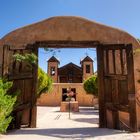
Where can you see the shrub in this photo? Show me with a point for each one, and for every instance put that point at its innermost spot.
(90, 85)
(6, 105)
(44, 82)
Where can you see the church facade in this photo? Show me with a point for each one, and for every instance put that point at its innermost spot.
(68, 76)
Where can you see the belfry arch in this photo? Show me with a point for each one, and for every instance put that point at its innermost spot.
(77, 32)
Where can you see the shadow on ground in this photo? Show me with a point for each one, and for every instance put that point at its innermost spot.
(87, 120)
(86, 132)
(92, 112)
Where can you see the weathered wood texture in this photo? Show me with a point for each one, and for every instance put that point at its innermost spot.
(116, 85)
(23, 77)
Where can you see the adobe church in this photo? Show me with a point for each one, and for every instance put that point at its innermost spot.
(68, 76)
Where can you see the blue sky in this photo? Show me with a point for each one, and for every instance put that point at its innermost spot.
(123, 14)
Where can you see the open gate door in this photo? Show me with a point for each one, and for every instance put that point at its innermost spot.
(24, 80)
(117, 105)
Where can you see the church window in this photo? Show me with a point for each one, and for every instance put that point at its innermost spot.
(52, 71)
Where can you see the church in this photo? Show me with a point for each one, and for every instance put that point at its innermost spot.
(68, 76)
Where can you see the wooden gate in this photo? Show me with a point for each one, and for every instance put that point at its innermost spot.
(24, 80)
(116, 87)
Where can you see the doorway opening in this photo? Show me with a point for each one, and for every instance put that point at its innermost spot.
(70, 74)
(70, 71)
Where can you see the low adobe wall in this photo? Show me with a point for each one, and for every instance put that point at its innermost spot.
(54, 97)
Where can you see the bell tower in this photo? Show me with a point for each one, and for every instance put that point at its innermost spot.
(87, 67)
(52, 71)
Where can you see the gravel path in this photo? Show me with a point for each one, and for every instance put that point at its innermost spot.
(55, 125)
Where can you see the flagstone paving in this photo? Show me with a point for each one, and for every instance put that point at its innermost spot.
(55, 125)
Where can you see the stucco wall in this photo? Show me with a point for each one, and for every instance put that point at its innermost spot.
(67, 28)
(54, 98)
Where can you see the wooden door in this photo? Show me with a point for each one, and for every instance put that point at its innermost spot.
(116, 87)
(24, 80)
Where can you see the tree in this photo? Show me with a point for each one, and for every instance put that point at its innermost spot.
(7, 102)
(44, 82)
(90, 85)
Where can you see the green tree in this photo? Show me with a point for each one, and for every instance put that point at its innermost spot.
(90, 85)
(44, 82)
(7, 102)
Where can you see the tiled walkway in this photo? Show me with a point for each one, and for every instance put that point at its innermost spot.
(54, 125)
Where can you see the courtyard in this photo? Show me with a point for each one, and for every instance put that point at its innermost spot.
(55, 125)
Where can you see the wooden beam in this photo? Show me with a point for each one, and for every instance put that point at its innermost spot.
(102, 110)
(22, 107)
(20, 76)
(67, 44)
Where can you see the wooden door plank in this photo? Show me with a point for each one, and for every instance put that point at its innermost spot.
(114, 64)
(107, 60)
(33, 115)
(102, 110)
(122, 61)
(1, 60)
(131, 89)
(5, 71)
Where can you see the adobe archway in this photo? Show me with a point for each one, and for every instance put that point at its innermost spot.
(65, 29)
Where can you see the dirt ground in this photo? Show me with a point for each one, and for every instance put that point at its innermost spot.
(55, 125)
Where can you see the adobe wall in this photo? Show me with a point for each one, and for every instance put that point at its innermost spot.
(54, 97)
(67, 28)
